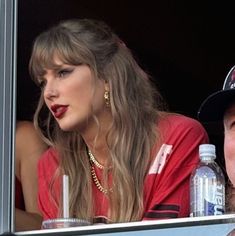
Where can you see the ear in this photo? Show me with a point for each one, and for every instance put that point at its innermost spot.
(106, 86)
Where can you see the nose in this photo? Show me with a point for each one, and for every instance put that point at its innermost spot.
(50, 91)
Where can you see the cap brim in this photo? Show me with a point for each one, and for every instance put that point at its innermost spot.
(213, 108)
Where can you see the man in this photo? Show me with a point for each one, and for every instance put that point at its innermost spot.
(220, 107)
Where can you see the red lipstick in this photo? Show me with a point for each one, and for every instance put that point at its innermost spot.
(59, 110)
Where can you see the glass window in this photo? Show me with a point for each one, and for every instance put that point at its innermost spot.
(215, 225)
(7, 111)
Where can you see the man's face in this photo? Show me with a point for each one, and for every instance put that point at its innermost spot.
(229, 142)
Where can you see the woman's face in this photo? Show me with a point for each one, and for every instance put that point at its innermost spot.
(69, 94)
(229, 142)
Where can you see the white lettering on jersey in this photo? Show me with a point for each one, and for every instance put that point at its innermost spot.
(160, 159)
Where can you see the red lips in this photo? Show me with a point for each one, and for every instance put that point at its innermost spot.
(59, 110)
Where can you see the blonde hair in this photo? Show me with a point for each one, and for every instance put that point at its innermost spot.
(134, 105)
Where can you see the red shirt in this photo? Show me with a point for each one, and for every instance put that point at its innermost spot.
(166, 189)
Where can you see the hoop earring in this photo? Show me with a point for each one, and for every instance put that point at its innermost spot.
(107, 98)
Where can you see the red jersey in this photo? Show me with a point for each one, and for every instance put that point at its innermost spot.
(166, 187)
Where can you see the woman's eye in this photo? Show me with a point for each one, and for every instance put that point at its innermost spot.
(42, 83)
(64, 72)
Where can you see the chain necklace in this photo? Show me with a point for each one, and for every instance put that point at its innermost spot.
(92, 159)
(94, 176)
(97, 182)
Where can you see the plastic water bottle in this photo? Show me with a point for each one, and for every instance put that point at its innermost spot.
(207, 185)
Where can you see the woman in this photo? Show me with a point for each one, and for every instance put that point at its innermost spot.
(126, 160)
(29, 148)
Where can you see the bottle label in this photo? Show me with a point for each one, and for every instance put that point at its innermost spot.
(207, 197)
(216, 206)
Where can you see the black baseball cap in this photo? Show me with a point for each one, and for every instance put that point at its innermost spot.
(213, 107)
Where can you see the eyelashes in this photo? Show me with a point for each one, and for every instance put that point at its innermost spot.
(41, 83)
(229, 124)
(60, 74)
(64, 72)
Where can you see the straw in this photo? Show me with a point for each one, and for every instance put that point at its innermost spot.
(65, 196)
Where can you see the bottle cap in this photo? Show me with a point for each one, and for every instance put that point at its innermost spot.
(207, 150)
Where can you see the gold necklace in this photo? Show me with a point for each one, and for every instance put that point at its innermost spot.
(92, 159)
(97, 182)
(94, 176)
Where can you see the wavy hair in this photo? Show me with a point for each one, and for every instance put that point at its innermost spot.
(135, 106)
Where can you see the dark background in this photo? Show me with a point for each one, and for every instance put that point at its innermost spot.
(187, 46)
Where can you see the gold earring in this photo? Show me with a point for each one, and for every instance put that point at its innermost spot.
(107, 98)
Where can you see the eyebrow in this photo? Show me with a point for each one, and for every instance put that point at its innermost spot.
(227, 115)
(230, 111)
